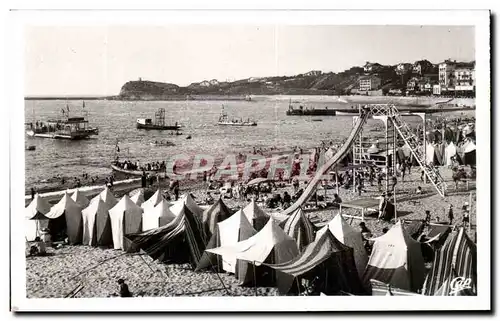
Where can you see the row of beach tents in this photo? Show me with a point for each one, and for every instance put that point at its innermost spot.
(261, 248)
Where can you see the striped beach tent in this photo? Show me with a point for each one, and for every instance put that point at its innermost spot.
(66, 218)
(270, 245)
(216, 213)
(179, 241)
(300, 228)
(92, 235)
(35, 218)
(327, 260)
(80, 199)
(228, 232)
(396, 259)
(153, 200)
(454, 271)
(350, 237)
(255, 215)
(126, 217)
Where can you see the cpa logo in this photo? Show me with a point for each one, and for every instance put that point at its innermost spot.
(459, 284)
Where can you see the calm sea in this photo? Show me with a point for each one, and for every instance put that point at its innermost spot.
(54, 159)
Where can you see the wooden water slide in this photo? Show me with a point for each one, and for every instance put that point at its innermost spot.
(341, 153)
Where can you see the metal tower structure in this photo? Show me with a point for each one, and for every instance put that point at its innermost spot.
(396, 127)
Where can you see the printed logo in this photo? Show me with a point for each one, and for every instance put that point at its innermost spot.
(459, 284)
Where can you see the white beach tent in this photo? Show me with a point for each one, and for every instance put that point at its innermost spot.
(107, 197)
(35, 218)
(89, 217)
(429, 153)
(231, 231)
(450, 151)
(350, 237)
(66, 214)
(397, 260)
(80, 199)
(188, 200)
(154, 217)
(255, 215)
(126, 217)
(153, 200)
(271, 245)
(138, 197)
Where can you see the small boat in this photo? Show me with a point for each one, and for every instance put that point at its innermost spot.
(316, 119)
(224, 120)
(73, 128)
(188, 137)
(162, 143)
(31, 147)
(158, 124)
(133, 172)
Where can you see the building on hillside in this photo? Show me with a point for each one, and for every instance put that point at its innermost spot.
(421, 67)
(213, 82)
(403, 68)
(455, 75)
(313, 73)
(367, 83)
(372, 67)
(411, 85)
(464, 77)
(204, 83)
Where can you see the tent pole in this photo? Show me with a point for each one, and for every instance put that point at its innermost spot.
(254, 278)
(337, 180)
(217, 273)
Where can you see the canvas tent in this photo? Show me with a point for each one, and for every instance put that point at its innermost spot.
(255, 215)
(271, 245)
(469, 153)
(187, 200)
(437, 235)
(456, 259)
(126, 217)
(153, 200)
(65, 218)
(137, 197)
(107, 197)
(396, 259)
(216, 213)
(35, 218)
(96, 224)
(80, 199)
(300, 228)
(350, 237)
(227, 233)
(154, 217)
(178, 241)
(450, 151)
(326, 259)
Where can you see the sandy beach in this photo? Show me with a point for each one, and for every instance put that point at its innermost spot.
(97, 270)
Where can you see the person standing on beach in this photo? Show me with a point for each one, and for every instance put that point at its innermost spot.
(450, 214)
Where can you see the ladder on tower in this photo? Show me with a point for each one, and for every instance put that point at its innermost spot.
(411, 139)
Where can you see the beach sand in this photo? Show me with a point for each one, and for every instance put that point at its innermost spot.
(56, 275)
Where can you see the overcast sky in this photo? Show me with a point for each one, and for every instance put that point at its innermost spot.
(99, 60)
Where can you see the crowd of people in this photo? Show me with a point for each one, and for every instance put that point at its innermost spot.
(153, 166)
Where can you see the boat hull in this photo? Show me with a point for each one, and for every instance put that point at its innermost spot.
(156, 127)
(236, 124)
(60, 135)
(311, 112)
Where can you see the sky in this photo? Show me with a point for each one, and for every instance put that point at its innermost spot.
(99, 60)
